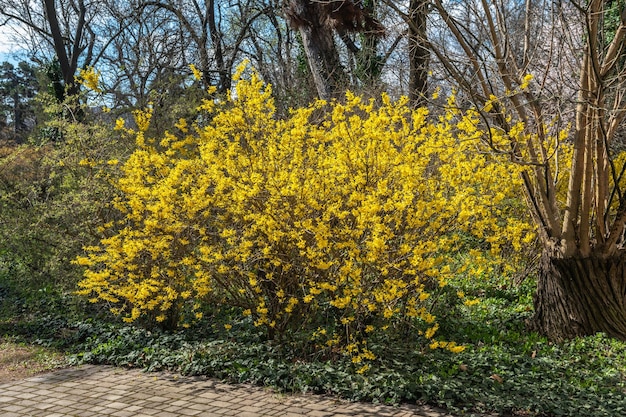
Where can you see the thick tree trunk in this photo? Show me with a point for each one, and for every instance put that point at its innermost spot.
(68, 62)
(311, 19)
(328, 75)
(580, 296)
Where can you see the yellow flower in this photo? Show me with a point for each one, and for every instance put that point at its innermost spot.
(456, 349)
(89, 78)
(363, 369)
(430, 332)
(182, 125)
(197, 74)
(470, 303)
(119, 124)
(142, 119)
(525, 81)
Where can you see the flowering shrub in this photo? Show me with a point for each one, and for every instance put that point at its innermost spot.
(343, 214)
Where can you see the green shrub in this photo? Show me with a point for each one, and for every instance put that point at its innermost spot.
(53, 199)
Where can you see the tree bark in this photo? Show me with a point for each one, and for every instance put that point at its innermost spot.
(419, 55)
(579, 296)
(224, 73)
(319, 46)
(68, 63)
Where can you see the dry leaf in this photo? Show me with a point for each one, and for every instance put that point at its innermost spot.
(497, 378)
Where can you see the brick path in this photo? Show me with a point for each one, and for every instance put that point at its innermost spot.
(103, 391)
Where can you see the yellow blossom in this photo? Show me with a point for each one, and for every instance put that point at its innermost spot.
(525, 81)
(197, 74)
(90, 78)
(363, 369)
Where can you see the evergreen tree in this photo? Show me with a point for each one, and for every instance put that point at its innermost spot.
(18, 85)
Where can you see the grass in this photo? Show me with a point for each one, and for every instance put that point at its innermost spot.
(505, 369)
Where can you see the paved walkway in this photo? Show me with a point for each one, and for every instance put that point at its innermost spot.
(103, 391)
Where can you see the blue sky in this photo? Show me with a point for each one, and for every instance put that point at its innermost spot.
(7, 45)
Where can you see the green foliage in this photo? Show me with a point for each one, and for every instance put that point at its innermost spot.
(612, 19)
(55, 84)
(53, 199)
(18, 86)
(504, 370)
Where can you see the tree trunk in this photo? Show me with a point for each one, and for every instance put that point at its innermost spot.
(419, 54)
(328, 74)
(579, 296)
(217, 43)
(311, 19)
(68, 63)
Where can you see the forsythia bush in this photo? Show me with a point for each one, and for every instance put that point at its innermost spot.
(347, 213)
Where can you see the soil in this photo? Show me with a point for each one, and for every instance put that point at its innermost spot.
(18, 361)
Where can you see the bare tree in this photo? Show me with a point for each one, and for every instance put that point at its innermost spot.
(491, 48)
(415, 18)
(149, 51)
(216, 31)
(70, 29)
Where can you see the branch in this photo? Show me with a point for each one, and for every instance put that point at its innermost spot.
(451, 23)
(77, 50)
(613, 52)
(348, 42)
(392, 48)
(59, 44)
(23, 21)
(617, 229)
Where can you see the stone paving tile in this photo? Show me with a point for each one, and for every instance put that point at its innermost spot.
(104, 391)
